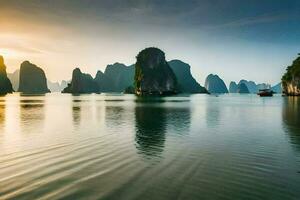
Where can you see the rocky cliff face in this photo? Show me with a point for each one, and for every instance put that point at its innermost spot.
(15, 76)
(215, 85)
(251, 85)
(5, 84)
(153, 75)
(116, 78)
(233, 87)
(81, 83)
(291, 79)
(186, 81)
(104, 83)
(119, 77)
(243, 89)
(32, 79)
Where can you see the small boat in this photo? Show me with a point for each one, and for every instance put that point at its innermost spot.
(265, 93)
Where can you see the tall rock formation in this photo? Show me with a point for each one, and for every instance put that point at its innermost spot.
(119, 78)
(14, 79)
(32, 79)
(251, 85)
(291, 79)
(81, 83)
(153, 75)
(215, 85)
(233, 87)
(104, 83)
(116, 78)
(5, 84)
(186, 81)
(243, 89)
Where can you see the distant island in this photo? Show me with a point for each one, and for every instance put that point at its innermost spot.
(32, 79)
(215, 85)
(81, 83)
(243, 88)
(250, 87)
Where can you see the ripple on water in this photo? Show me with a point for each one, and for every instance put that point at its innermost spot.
(123, 147)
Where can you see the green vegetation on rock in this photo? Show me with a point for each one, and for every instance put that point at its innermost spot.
(291, 79)
(153, 75)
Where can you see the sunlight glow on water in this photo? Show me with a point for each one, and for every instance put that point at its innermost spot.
(122, 147)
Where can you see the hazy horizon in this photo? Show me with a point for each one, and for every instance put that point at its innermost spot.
(237, 40)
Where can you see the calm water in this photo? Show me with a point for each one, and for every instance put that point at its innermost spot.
(121, 147)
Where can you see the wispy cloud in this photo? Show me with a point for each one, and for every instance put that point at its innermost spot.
(262, 19)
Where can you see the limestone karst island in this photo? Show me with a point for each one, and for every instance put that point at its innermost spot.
(149, 100)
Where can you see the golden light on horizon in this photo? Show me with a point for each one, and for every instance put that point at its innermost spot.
(8, 53)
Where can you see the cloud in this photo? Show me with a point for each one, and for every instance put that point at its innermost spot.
(249, 21)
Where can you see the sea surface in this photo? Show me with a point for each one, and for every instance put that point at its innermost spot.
(111, 146)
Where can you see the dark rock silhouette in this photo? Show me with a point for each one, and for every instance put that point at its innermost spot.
(104, 84)
(153, 75)
(32, 79)
(5, 84)
(233, 87)
(186, 81)
(215, 85)
(251, 85)
(277, 88)
(53, 86)
(129, 90)
(243, 89)
(116, 78)
(14, 79)
(81, 83)
(291, 79)
(120, 78)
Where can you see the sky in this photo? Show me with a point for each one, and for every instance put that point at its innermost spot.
(251, 39)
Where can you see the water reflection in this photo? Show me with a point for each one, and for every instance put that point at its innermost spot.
(2, 113)
(213, 112)
(32, 113)
(31, 110)
(76, 109)
(114, 116)
(291, 119)
(150, 129)
(179, 119)
(76, 114)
